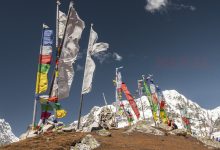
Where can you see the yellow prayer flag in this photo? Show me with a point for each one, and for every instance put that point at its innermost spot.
(61, 113)
(41, 83)
(155, 116)
(163, 117)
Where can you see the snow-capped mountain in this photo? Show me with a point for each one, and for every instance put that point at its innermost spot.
(6, 135)
(203, 122)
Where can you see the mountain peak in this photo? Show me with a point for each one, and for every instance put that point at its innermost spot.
(6, 135)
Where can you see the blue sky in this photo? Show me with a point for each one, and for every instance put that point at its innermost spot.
(176, 40)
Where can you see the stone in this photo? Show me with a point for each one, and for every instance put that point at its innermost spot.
(87, 143)
(106, 118)
(103, 132)
(80, 146)
(91, 141)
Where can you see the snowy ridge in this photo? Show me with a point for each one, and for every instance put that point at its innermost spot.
(6, 135)
(203, 122)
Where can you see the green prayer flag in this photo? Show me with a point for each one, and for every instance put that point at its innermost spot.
(44, 68)
(46, 107)
(57, 106)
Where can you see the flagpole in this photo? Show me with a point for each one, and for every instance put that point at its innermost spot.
(81, 99)
(34, 112)
(80, 111)
(103, 94)
(140, 95)
(116, 80)
(59, 51)
(38, 77)
(143, 77)
(57, 46)
(57, 24)
(116, 91)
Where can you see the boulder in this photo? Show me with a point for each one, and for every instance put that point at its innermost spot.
(107, 118)
(80, 146)
(87, 143)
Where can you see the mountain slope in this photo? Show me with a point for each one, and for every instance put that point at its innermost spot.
(6, 135)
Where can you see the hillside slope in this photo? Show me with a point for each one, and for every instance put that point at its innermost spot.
(118, 141)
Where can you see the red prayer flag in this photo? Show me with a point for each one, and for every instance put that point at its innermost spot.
(45, 59)
(45, 115)
(130, 100)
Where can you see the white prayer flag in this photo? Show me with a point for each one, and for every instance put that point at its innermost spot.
(93, 48)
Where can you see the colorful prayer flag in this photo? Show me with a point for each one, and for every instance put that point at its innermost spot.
(161, 99)
(44, 61)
